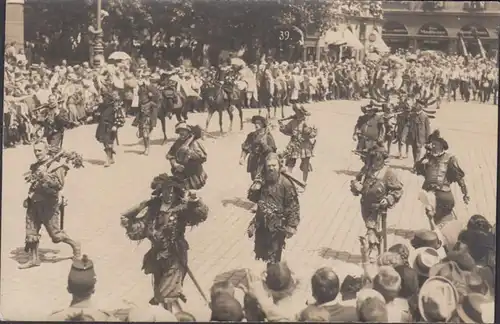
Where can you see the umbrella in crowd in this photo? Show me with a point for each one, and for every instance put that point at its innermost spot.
(119, 56)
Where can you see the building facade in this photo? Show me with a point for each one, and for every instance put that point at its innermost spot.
(14, 22)
(435, 25)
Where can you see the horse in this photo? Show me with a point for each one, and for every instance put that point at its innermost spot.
(219, 98)
(174, 102)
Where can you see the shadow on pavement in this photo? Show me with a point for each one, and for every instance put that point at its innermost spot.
(45, 255)
(349, 173)
(404, 233)
(159, 141)
(401, 167)
(138, 152)
(94, 161)
(238, 202)
(328, 253)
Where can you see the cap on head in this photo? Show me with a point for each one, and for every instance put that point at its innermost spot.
(82, 277)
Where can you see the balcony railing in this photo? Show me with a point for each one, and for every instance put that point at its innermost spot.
(475, 5)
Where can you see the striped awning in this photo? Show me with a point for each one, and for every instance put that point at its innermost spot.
(351, 40)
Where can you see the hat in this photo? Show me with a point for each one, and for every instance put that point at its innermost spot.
(402, 250)
(279, 280)
(314, 313)
(259, 119)
(488, 312)
(424, 259)
(462, 258)
(425, 238)
(476, 283)
(437, 300)
(470, 309)
(366, 293)
(479, 222)
(226, 308)
(388, 280)
(392, 259)
(452, 272)
(82, 277)
(182, 125)
(378, 150)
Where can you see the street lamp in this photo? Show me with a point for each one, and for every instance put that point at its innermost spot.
(97, 42)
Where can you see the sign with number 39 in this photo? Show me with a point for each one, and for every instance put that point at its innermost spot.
(284, 35)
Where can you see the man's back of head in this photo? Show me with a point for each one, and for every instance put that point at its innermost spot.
(325, 285)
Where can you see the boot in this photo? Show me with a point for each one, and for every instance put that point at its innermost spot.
(33, 260)
(146, 146)
(109, 157)
(76, 246)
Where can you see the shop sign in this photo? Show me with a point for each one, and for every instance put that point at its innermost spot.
(394, 28)
(468, 30)
(432, 30)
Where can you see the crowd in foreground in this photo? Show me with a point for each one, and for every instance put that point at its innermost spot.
(435, 277)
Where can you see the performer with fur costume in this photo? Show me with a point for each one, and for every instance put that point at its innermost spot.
(111, 117)
(302, 141)
(167, 215)
(187, 156)
(278, 211)
(440, 169)
(380, 190)
(45, 204)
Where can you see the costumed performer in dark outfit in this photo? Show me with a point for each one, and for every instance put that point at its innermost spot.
(380, 189)
(111, 118)
(440, 169)
(167, 215)
(278, 211)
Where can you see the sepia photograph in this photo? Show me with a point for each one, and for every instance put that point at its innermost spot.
(249, 161)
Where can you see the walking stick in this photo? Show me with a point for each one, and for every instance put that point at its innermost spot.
(116, 138)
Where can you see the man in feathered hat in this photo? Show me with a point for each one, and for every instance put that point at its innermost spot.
(369, 129)
(257, 146)
(111, 118)
(81, 285)
(440, 169)
(380, 189)
(167, 215)
(43, 204)
(419, 129)
(187, 155)
(277, 216)
(302, 141)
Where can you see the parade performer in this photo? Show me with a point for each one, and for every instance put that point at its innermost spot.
(187, 156)
(402, 125)
(148, 113)
(369, 129)
(45, 204)
(302, 141)
(419, 130)
(380, 189)
(111, 117)
(257, 146)
(167, 214)
(440, 169)
(278, 211)
(55, 122)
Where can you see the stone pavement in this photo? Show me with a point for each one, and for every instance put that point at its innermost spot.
(328, 233)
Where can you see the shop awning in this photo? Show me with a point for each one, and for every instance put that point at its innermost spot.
(351, 40)
(332, 37)
(379, 45)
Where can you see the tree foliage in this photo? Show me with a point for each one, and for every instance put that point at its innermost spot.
(227, 24)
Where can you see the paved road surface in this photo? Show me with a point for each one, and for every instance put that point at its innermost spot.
(330, 214)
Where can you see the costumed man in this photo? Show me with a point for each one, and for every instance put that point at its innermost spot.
(111, 118)
(257, 146)
(440, 169)
(55, 122)
(167, 214)
(148, 113)
(187, 155)
(45, 204)
(369, 129)
(278, 211)
(419, 130)
(380, 189)
(402, 126)
(302, 141)
(81, 285)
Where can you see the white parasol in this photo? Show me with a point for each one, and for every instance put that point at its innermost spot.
(236, 61)
(119, 56)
